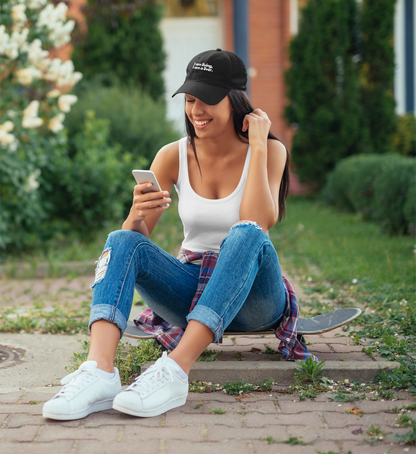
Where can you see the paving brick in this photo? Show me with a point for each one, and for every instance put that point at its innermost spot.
(251, 340)
(345, 420)
(319, 348)
(57, 447)
(37, 397)
(229, 407)
(26, 433)
(388, 447)
(219, 433)
(230, 447)
(29, 409)
(215, 397)
(307, 405)
(116, 418)
(373, 406)
(103, 434)
(339, 348)
(262, 447)
(20, 420)
(175, 418)
(189, 433)
(300, 419)
(142, 446)
(265, 407)
(10, 398)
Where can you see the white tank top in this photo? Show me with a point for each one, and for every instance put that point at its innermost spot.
(206, 222)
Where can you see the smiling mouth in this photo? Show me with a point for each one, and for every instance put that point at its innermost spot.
(201, 123)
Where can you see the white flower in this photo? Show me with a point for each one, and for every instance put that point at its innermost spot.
(354, 281)
(30, 116)
(55, 123)
(31, 183)
(35, 4)
(53, 93)
(32, 109)
(5, 137)
(65, 102)
(32, 122)
(35, 52)
(7, 127)
(18, 13)
(27, 75)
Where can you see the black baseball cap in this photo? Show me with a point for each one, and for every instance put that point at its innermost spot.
(212, 74)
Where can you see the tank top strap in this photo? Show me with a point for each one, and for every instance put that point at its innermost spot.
(183, 161)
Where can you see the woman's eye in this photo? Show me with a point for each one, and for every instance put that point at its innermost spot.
(189, 100)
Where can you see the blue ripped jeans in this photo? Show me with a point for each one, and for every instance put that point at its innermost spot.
(245, 292)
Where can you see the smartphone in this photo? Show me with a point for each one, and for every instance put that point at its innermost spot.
(147, 176)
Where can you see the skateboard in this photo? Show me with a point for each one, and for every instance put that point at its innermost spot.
(313, 325)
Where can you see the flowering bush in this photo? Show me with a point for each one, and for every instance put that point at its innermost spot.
(34, 101)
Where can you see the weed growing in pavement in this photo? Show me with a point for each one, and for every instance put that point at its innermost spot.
(239, 356)
(269, 439)
(376, 435)
(238, 387)
(291, 441)
(208, 356)
(332, 452)
(128, 358)
(197, 386)
(217, 411)
(309, 369)
(296, 441)
(266, 384)
(198, 406)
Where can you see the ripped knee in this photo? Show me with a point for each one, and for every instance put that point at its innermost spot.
(102, 265)
(246, 222)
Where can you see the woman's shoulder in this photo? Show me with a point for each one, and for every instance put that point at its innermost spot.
(166, 161)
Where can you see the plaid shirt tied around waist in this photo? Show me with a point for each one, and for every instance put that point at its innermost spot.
(169, 335)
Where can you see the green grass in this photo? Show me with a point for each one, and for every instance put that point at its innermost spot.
(320, 242)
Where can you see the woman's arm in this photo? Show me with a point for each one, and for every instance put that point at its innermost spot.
(260, 202)
(146, 210)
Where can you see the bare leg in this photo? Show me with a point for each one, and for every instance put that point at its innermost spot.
(195, 340)
(104, 340)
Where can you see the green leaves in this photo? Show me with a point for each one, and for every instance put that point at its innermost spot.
(309, 369)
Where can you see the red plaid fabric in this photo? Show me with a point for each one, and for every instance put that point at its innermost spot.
(169, 335)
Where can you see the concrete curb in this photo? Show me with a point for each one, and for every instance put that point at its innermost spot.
(283, 371)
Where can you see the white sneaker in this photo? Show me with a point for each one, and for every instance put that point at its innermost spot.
(84, 392)
(154, 392)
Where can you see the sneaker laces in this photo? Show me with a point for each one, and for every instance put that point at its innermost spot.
(153, 376)
(77, 380)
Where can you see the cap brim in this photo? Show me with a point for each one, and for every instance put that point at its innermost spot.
(209, 94)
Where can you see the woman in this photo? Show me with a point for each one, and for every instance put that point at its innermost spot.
(232, 179)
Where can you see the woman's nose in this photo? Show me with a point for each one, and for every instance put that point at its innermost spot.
(198, 107)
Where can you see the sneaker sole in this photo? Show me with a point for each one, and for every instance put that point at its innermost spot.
(157, 411)
(98, 406)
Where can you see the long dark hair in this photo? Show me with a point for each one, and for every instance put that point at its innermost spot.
(241, 106)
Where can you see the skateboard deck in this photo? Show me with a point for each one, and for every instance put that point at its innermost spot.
(313, 325)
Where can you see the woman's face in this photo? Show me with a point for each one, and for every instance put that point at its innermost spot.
(209, 121)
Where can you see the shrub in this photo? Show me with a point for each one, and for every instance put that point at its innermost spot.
(124, 39)
(323, 88)
(393, 187)
(405, 137)
(94, 187)
(34, 101)
(381, 188)
(136, 121)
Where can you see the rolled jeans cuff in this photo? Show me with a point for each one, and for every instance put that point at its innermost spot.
(110, 314)
(209, 318)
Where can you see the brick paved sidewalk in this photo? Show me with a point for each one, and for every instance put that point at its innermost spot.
(245, 427)
(258, 423)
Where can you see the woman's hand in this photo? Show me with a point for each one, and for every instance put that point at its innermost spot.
(149, 203)
(258, 125)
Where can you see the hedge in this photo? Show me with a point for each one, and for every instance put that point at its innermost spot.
(381, 188)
